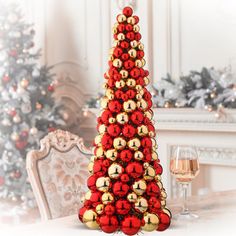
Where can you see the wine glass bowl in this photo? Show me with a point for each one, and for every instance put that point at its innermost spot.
(184, 166)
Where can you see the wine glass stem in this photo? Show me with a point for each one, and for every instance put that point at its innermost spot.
(185, 207)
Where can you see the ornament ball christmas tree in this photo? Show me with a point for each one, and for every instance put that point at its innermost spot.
(125, 188)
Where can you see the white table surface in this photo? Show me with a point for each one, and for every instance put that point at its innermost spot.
(217, 216)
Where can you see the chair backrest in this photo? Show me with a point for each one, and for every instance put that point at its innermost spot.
(58, 173)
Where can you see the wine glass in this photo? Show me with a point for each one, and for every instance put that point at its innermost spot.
(184, 166)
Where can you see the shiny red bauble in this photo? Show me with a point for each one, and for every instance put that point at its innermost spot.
(120, 189)
(81, 213)
(158, 168)
(146, 142)
(117, 52)
(124, 97)
(109, 210)
(134, 169)
(154, 204)
(124, 178)
(128, 27)
(91, 182)
(108, 224)
(113, 130)
(124, 56)
(112, 71)
(121, 27)
(106, 163)
(149, 104)
(137, 117)
(21, 144)
(118, 93)
(131, 93)
(106, 141)
(130, 35)
(111, 82)
(140, 54)
(130, 225)
(137, 36)
(164, 221)
(105, 116)
(123, 207)
(95, 197)
(140, 81)
(124, 44)
(128, 131)
(114, 106)
(98, 168)
(128, 11)
(135, 73)
(128, 64)
(153, 189)
(117, 77)
(126, 155)
(136, 19)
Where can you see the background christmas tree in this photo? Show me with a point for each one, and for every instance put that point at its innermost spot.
(27, 109)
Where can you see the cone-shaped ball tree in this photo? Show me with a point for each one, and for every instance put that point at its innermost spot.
(126, 192)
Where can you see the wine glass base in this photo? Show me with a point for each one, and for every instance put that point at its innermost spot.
(185, 216)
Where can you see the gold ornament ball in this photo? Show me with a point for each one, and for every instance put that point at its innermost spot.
(146, 80)
(117, 63)
(167, 211)
(88, 195)
(141, 92)
(100, 209)
(121, 36)
(111, 58)
(122, 118)
(148, 114)
(151, 222)
(131, 82)
(90, 167)
(136, 28)
(132, 197)
(134, 144)
(111, 154)
(16, 119)
(139, 96)
(98, 139)
(114, 30)
(119, 143)
(109, 92)
(134, 44)
(105, 85)
(90, 219)
(112, 120)
(163, 203)
(143, 62)
(115, 170)
(139, 187)
(121, 18)
(107, 198)
(138, 87)
(132, 53)
(99, 152)
(151, 134)
(131, 20)
(15, 136)
(103, 184)
(129, 106)
(158, 178)
(138, 155)
(110, 53)
(93, 158)
(160, 185)
(140, 46)
(120, 84)
(116, 43)
(149, 173)
(154, 156)
(104, 102)
(124, 74)
(24, 83)
(141, 204)
(139, 64)
(142, 104)
(146, 165)
(102, 129)
(163, 194)
(142, 130)
(154, 142)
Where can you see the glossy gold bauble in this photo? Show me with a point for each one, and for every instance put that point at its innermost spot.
(139, 187)
(93, 158)
(134, 144)
(124, 74)
(138, 63)
(158, 178)
(111, 58)
(120, 84)
(143, 61)
(154, 142)
(90, 219)
(24, 83)
(121, 36)
(136, 28)
(88, 195)
(149, 173)
(121, 18)
(154, 156)
(163, 194)
(111, 154)
(138, 87)
(129, 106)
(107, 198)
(131, 82)
(114, 30)
(142, 130)
(117, 63)
(151, 134)
(141, 91)
(138, 155)
(109, 92)
(98, 139)
(105, 85)
(132, 53)
(148, 114)
(151, 222)
(103, 184)
(132, 197)
(146, 165)
(116, 25)
(140, 46)
(102, 129)
(167, 211)
(139, 96)
(160, 185)
(104, 102)
(112, 120)
(116, 43)
(134, 44)
(115, 170)
(146, 80)
(142, 104)
(122, 118)
(163, 203)
(131, 20)
(119, 143)
(99, 152)
(90, 167)
(110, 53)
(141, 204)
(100, 209)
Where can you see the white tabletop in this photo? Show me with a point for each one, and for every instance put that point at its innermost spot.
(217, 216)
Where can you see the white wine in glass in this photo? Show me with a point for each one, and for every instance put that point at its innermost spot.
(184, 166)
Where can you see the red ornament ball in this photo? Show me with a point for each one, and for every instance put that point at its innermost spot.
(164, 221)
(91, 182)
(50, 88)
(158, 168)
(108, 224)
(114, 106)
(130, 225)
(121, 27)
(98, 168)
(95, 197)
(117, 52)
(124, 56)
(137, 117)
(128, 131)
(109, 210)
(117, 77)
(118, 94)
(120, 189)
(153, 189)
(81, 213)
(131, 93)
(146, 142)
(135, 73)
(113, 130)
(134, 169)
(124, 97)
(106, 141)
(126, 155)
(128, 11)
(123, 207)
(105, 116)
(106, 163)
(6, 78)
(129, 64)
(140, 54)
(136, 19)
(128, 27)
(130, 35)
(137, 36)
(111, 82)
(124, 178)
(124, 44)
(21, 144)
